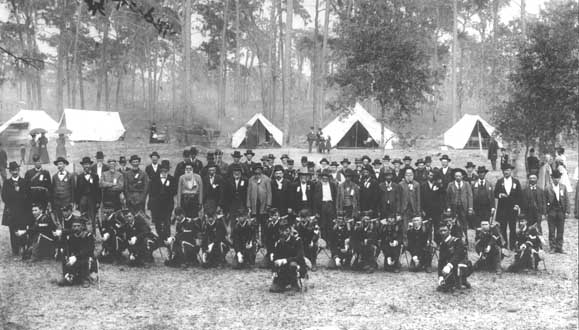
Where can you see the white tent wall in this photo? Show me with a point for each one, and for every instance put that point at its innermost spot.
(21, 123)
(239, 135)
(340, 126)
(458, 135)
(90, 125)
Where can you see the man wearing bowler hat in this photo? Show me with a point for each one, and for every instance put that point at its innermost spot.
(398, 172)
(136, 186)
(197, 164)
(508, 193)
(470, 173)
(558, 210)
(122, 165)
(459, 200)
(249, 163)
(112, 185)
(63, 185)
(421, 173)
(302, 192)
(280, 191)
(38, 184)
(483, 200)
(163, 188)
(17, 215)
(152, 169)
(88, 194)
(236, 155)
(445, 171)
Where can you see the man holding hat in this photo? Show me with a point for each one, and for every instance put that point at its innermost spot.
(163, 189)
(136, 186)
(508, 193)
(280, 191)
(558, 210)
(99, 167)
(348, 195)
(17, 216)
(112, 185)
(88, 194)
(63, 185)
(483, 200)
(38, 184)
(152, 169)
(78, 249)
(302, 192)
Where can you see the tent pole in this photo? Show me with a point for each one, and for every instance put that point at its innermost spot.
(479, 138)
(356, 136)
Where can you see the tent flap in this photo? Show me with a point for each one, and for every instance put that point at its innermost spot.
(89, 125)
(239, 135)
(340, 126)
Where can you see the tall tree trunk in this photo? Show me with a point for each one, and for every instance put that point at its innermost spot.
(523, 21)
(174, 89)
(435, 58)
(74, 68)
(186, 88)
(69, 81)
(281, 55)
(273, 63)
(119, 87)
(223, 68)
(103, 76)
(315, 66)
(60, 60)
(287, 72)
(238, 87)
(80, 84)
(324, 65)
(453, 57)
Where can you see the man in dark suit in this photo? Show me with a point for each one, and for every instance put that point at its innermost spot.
(302, 192)
(197, 164)
(533, 204)
(421, 173)
(17, 211)
(483, 199)
(368, 191)
(398, 172)
(212, 187)
(557, 197)
(409, 206)
(533, 164)
(163, 188)
(325, 197)
(88, 193)
(432, 199)
(508, 192)
(152, 169)
(236, 155)
(493, 152)
(388, 195)
(280, 191)
(234, 194)
(459, 200)
(445, 171)
(471, 175)
(180, 168)
(38, 184)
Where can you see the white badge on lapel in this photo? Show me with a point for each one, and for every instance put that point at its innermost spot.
(167, 183)
(241, 183)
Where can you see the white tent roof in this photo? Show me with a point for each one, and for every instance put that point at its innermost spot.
(89, 125)
(338, 127)
(34, 118)
(239, 135)
(457, 136)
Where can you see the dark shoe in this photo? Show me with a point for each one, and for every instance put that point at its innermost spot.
(275, 288)
(295, 287)
(428, 269)
(466, 284)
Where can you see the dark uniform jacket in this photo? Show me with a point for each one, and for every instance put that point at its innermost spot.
(242, 235)
(417, 240)
(369, 194)
(234, 195)
(151, 173)
(296, 196)
(82, 246)
(39, 185)
(291, 249)
(87, 188)
(432, 199)
(388, 195)
(16, 204)
(452, 251)
(212, 192)
(161, 194)
(280, 196)
(505, 206)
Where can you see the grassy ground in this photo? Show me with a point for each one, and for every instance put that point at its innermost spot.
(165, 298)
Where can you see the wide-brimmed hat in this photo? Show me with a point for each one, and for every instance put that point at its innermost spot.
(324, 160)
(470, 165)
(61, 159)
(284, 156)
(445, 157)
(134, 157)
(271, 156)
(463, 172)
(86, 160)
(396, 161)
(13, 166)
(249, 152)
(303, 171)
(100, 155)
(388, 171)
(386, 158)
(482, 169)
(407, 158)
(154, 153)
(278, 168)
(377, 162)
(349, 172)
(325, 172)
(419, 161)
(236, 154)
(507, 166)
(345, 160)
(366, 157)
(256, 166)
(334, 163)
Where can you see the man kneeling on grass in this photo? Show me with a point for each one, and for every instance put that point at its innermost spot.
(289, 264)
(78, 255)
(453, 264)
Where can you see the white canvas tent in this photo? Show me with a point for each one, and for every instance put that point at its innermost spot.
(266, 132)
(89, 125)
(470, 132)
(18, 127)
(359, 129)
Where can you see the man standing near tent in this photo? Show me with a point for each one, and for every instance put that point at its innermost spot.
(136, 186)
(459, 200)
(99, 167)
(311, 137)
(493, 152)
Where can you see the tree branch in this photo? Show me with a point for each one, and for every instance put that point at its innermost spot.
(26, 60)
